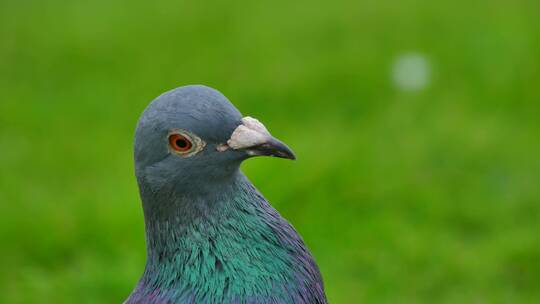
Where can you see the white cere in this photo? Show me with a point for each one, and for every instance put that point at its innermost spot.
(250, 133)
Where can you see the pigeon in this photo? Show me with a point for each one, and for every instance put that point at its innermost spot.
(211, 237)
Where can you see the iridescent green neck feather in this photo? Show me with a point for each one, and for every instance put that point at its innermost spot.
(233, 247)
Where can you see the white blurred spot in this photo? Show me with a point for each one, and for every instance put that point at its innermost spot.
(411, 72)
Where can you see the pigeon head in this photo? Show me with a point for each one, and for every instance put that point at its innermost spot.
(191, 138)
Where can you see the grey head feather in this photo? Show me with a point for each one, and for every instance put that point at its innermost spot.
(195, 108)
(199, 110)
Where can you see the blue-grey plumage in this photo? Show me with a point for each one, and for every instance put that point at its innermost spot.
(211, 236)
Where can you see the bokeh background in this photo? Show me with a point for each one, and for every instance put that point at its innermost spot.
(415, 124)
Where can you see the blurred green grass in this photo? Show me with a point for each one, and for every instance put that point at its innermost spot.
(403, 197)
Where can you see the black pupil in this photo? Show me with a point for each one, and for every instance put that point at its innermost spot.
(181, 143)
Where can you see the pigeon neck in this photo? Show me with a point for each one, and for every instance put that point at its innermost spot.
(176, 207)
(206, 244)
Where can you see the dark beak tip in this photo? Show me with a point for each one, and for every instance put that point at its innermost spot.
(274, 148)
(283, 151)
(291, 156)
(287, 154)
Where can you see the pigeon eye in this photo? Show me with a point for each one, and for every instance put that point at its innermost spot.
(184, 143)
(179, 143)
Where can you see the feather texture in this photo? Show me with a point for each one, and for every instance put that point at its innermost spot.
(238, 251)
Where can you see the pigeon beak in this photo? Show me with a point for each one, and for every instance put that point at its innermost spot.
(252, 137)
(272, 147)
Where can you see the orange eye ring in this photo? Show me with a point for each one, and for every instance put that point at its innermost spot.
(179, 143)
